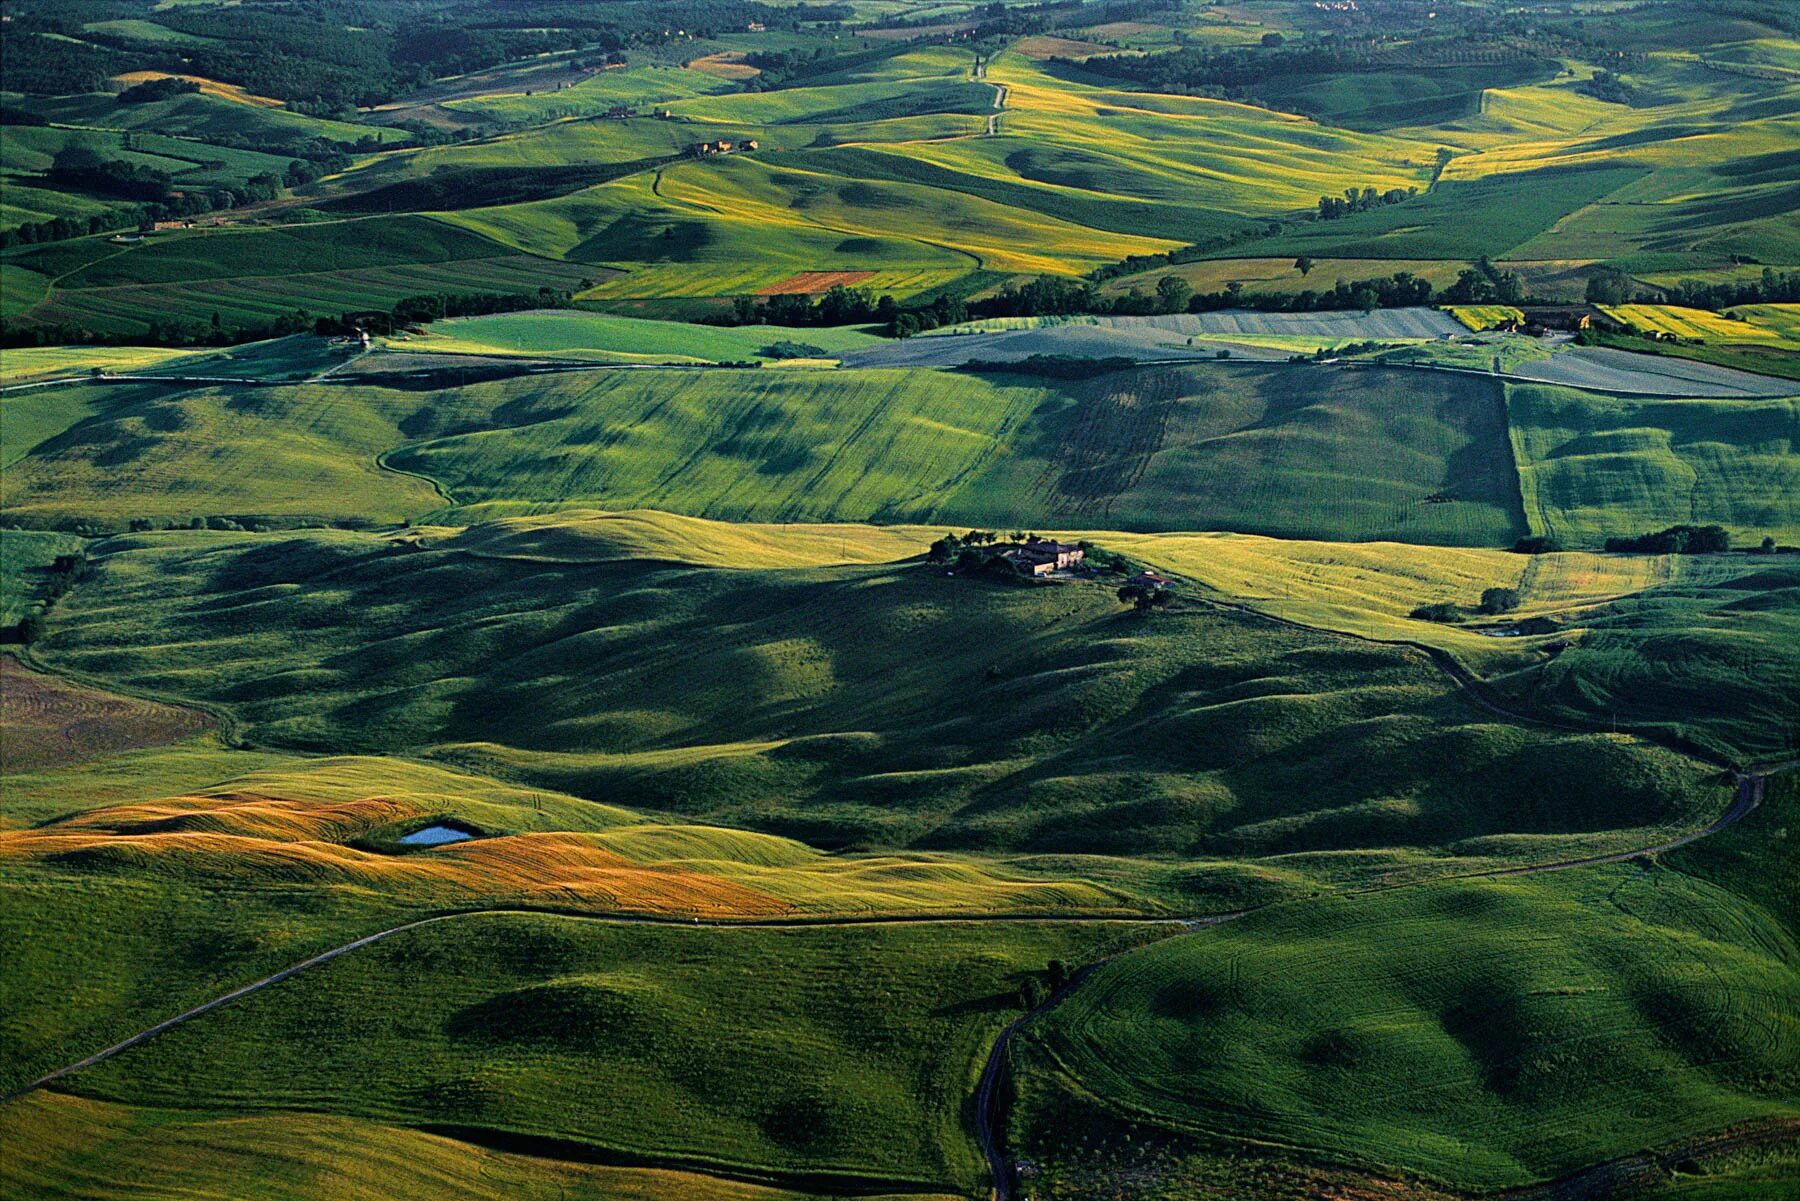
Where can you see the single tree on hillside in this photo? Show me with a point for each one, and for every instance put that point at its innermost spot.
(1304, 265)
(1499, 600)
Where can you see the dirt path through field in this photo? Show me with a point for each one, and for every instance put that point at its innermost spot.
(619, 919)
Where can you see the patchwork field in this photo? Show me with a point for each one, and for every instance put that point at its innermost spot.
(632, 738)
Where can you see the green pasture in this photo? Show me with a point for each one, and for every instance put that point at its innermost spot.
(67, 1148)
(839, 1053)
(1299, 453)
(853, 705)
(199, 116)
(1594, 467)
(595, 337)
(1484, 1034)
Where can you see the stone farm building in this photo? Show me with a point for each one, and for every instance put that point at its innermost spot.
(1039, 557)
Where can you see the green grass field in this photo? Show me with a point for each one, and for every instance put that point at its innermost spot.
(1265, 449)
(68, 1148)
(524, 1012)
(1121, 736)
(763, 824)
(1483, 1033)
(1593, 467)
(593, 337)
(1254, 448)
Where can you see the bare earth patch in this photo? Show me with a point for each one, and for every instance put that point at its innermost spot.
(49, 722)
(729, 64)
(807, 283)
(1045, 47)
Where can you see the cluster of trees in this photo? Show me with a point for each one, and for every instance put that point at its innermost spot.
(1773, 287)
(1484, 284)
(793, 350)
(1051, 295)
(973, 553)
(86, 169)
(839, 305)
(1145, 597)
(435, 306)
(64, 572)
(152, 90)
(1608, 87)
(1676, 540)
(1494, 601)
(1361, 201)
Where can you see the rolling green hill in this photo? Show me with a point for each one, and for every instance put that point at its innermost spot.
(1483, 1033)
(1265, 449)
(1593, 467)
(839, 1055)
(868, 705)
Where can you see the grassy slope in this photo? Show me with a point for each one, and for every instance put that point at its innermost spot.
(24, 557)
(1269, 450)
(1484, 1033)
(827, 1051)
(1396, 1030)
(64, 1148)
(595, 337)
(1594, 467)
(875, 705)
(170, 453)
(1714, 664)
(1260, 449)
(1264, 449)
(253, 274)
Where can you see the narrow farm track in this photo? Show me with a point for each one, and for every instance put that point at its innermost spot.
(617, 919)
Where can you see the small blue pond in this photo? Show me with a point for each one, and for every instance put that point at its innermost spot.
(436, 836)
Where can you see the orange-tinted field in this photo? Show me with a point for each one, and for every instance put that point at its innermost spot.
(727, 65)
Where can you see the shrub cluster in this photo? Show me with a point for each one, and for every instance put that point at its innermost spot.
(63, 574)
(1676, 540)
